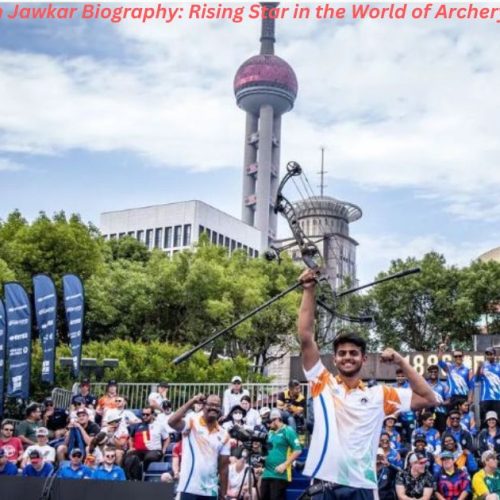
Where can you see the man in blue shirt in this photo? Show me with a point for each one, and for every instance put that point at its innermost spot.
(6, 468)
(407, 419)
(459, 377)
(37, 467)
(442, 389)
(108, 471)
(488, 373)
(75, 469)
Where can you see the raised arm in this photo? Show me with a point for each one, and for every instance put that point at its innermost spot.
(305, 323)
(176, 421)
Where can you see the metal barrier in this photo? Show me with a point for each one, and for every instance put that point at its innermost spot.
(137, 394)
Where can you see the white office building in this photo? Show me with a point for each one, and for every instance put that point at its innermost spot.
(177, 226)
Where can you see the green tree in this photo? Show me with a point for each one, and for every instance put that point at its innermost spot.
(418, 312)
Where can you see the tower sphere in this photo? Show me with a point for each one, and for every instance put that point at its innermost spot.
(265, 79)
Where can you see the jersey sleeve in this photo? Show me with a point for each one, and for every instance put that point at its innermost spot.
(318, 376)
(444, 365)
(478, 485)
(396, 399)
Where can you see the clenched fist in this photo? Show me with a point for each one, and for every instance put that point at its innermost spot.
(391, 356)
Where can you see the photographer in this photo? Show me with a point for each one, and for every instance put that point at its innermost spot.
(277, 467)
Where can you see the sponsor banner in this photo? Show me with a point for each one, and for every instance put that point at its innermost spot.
(74, 305)
(45, 299)
(3, 342)
(18, 314)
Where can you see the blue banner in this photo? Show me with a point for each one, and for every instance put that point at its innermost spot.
(18, 314)
(45, 296)
(74, 305)
(3, 342)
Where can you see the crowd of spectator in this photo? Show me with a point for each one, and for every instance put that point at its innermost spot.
(438, 453)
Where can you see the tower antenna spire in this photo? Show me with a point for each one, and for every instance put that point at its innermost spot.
(267, 37)
(322, 172)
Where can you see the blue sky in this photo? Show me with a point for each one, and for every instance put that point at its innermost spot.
(97, 116)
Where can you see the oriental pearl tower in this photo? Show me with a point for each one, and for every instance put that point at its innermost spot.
(265, 87)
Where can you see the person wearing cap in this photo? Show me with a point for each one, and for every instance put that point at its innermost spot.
(417, 481)
(292, 404)
(75, 469)
(162, 418)
(78, 403)
(11, 445)
(452, 483)
(235, 418)
(89, 400)
(6, 468)
(486, 482)
(431, 434)
(26, 429)
(81, 430)
(488, 374)
(420, 446)
(389, 427)
(156, 398)
(489, 438)
(252, 417)
(47, 452)
(117, 434)
(54, 419)
(390, 454)
(348, 415)
(232, 395)
(264, 414)
(284, 449)
(37, 467)
(441, 389)
(460, 379)
(460, 434)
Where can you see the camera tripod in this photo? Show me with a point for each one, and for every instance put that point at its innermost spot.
(250, 479)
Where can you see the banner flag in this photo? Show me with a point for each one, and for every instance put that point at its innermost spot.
(3, 341)
(74, 305)
(45, 298)
(18, 314)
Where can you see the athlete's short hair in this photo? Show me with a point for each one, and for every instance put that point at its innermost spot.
(349, 338)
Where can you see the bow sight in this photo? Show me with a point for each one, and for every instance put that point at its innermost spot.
(312, 258)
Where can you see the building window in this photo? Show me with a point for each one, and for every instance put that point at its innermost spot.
(256, 253)
(209, 233)
(239, 244)
(121, 235)
(131, 233)
(233, 245)
(149, 238)
(186, 238)
(214, 237)
(227, 242)
(112, 236)
(221, 240)
(140, 235)
(167, 237)
(245, 248)
(158, 232)
(177, 236)
(201, 230)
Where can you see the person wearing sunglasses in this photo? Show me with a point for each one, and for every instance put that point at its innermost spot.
(128, 417)
(11, 445)
(108, 470)
(75, 469)
(459, 377)
(147, 443)
(417, 482)
(455, 429)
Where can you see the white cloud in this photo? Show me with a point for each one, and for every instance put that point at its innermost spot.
(397, 104)
(376, 252)
(9, 165)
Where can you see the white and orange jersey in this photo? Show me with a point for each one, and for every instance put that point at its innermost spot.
(201, 448)
(347, 426)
